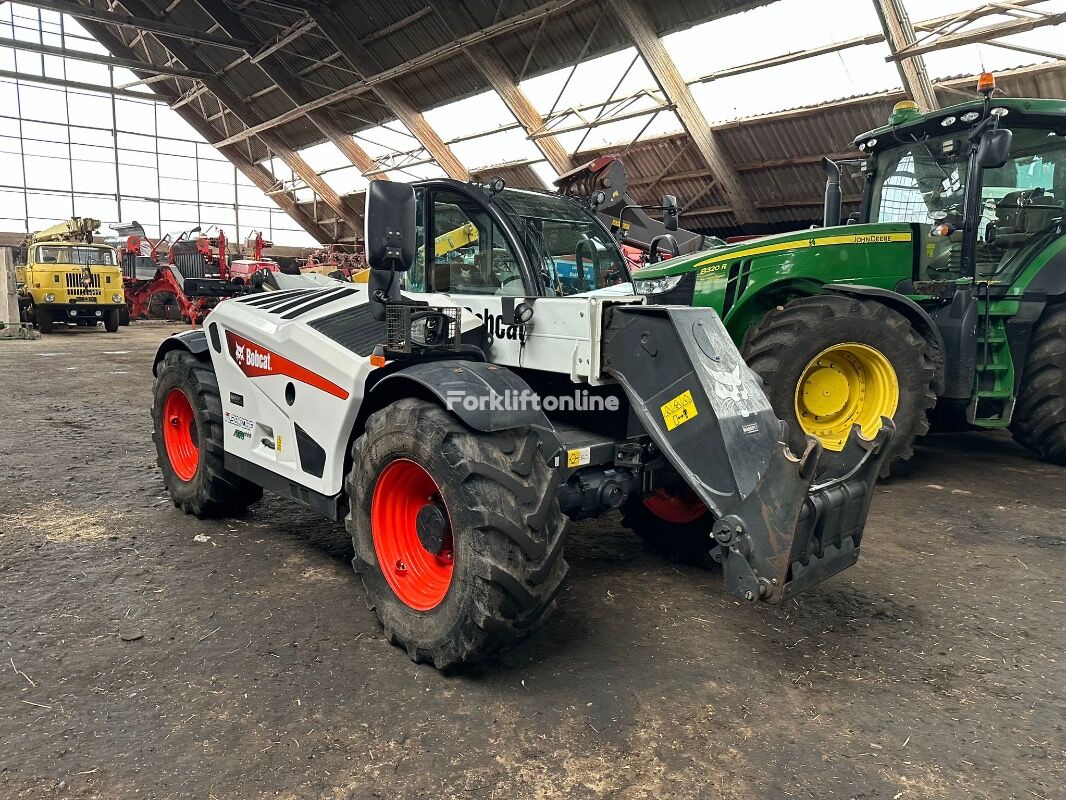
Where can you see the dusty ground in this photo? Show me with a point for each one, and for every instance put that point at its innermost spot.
(138, 661)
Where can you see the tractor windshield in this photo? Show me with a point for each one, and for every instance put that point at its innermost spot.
(78, 255)
(923, 182)
(574, 253)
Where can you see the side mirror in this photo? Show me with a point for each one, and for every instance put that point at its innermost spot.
(389, 238)
(390, 225)
(994, 149)
(670, 212)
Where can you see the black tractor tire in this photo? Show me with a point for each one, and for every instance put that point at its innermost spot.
(1039, 421)
(687, 542)
(212, 490)
(787, 339)
(506, 533)
(44, 319)
(124, 315)
(112, 319)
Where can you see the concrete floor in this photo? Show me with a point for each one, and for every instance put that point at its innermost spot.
(139, 661)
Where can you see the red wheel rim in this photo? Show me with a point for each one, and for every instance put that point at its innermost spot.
(179, 434)
(679, 508)
(419, 578)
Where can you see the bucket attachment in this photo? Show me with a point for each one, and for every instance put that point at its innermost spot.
(777, 530)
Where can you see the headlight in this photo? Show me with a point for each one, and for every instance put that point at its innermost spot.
(116, 298)
(656, 285)
(49, 298)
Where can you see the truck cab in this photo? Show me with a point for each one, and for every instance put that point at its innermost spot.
(68, 278)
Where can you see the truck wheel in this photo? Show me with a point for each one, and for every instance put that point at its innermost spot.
(1039, 421)
(44, 319)
(112, 319)
(674, 524)
(457, 535)
(829, 362)
(187, 430)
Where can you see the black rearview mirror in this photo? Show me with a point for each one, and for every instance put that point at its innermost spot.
(390, 226)
(670, 212)
(994, 149)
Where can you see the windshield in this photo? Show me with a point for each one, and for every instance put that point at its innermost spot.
(77, 255)
(924, 182)
(574, 253)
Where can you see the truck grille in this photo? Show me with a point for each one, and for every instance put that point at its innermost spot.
(77, 288)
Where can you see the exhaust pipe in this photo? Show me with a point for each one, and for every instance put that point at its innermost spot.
(831, 214)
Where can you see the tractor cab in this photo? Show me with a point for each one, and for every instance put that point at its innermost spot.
(976, 216)
(493, 240)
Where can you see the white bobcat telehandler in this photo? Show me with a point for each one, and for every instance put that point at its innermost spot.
(456, 432)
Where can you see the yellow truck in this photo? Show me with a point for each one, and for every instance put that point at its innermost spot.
(67, 278)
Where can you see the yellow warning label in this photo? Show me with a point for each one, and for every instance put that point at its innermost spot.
(277, 446)
(679, 410)
(579, 457)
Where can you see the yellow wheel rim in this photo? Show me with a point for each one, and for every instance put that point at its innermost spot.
(845, 385)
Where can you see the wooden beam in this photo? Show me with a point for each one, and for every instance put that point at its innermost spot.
(676, 91)
(345, 40)
(503, 83)
(899, 33)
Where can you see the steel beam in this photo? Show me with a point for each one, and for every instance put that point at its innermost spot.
(662, 67)
(262, 179)
(143, 24)
(29, 77)
(899, 33)
(96, 58)
(978, 35)
(293, 88)
(413, 64)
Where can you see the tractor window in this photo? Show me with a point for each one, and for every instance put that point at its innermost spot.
(75, 255)
(1022, 202)
(469, 253)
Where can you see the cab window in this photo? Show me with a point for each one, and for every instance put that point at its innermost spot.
(466, 252)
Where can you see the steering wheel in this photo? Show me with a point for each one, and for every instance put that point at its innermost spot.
(583, 243)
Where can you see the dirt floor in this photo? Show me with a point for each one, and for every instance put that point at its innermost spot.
(145, 654)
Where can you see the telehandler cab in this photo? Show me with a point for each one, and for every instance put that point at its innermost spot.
(455, 431)
(947, 287)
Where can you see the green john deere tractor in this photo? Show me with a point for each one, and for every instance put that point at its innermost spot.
(947, 289)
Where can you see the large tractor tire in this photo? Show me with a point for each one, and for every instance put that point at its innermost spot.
(44, 319)
(672, 523)
(457, 535)
(1039, 421)
(187, 430)
(829, 362)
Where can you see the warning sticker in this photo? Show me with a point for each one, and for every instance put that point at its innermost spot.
(579, 457)
(679, 410)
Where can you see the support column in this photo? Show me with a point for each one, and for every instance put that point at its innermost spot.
(899, 33)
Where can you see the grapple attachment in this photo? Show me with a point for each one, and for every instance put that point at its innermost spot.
(779, 529)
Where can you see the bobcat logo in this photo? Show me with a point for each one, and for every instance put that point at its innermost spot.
(238, 353)
(730, 385)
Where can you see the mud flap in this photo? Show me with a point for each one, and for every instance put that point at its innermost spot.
(705, 410)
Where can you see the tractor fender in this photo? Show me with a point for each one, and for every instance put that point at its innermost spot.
(194, 342)
(485, 397)
(914, 313)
